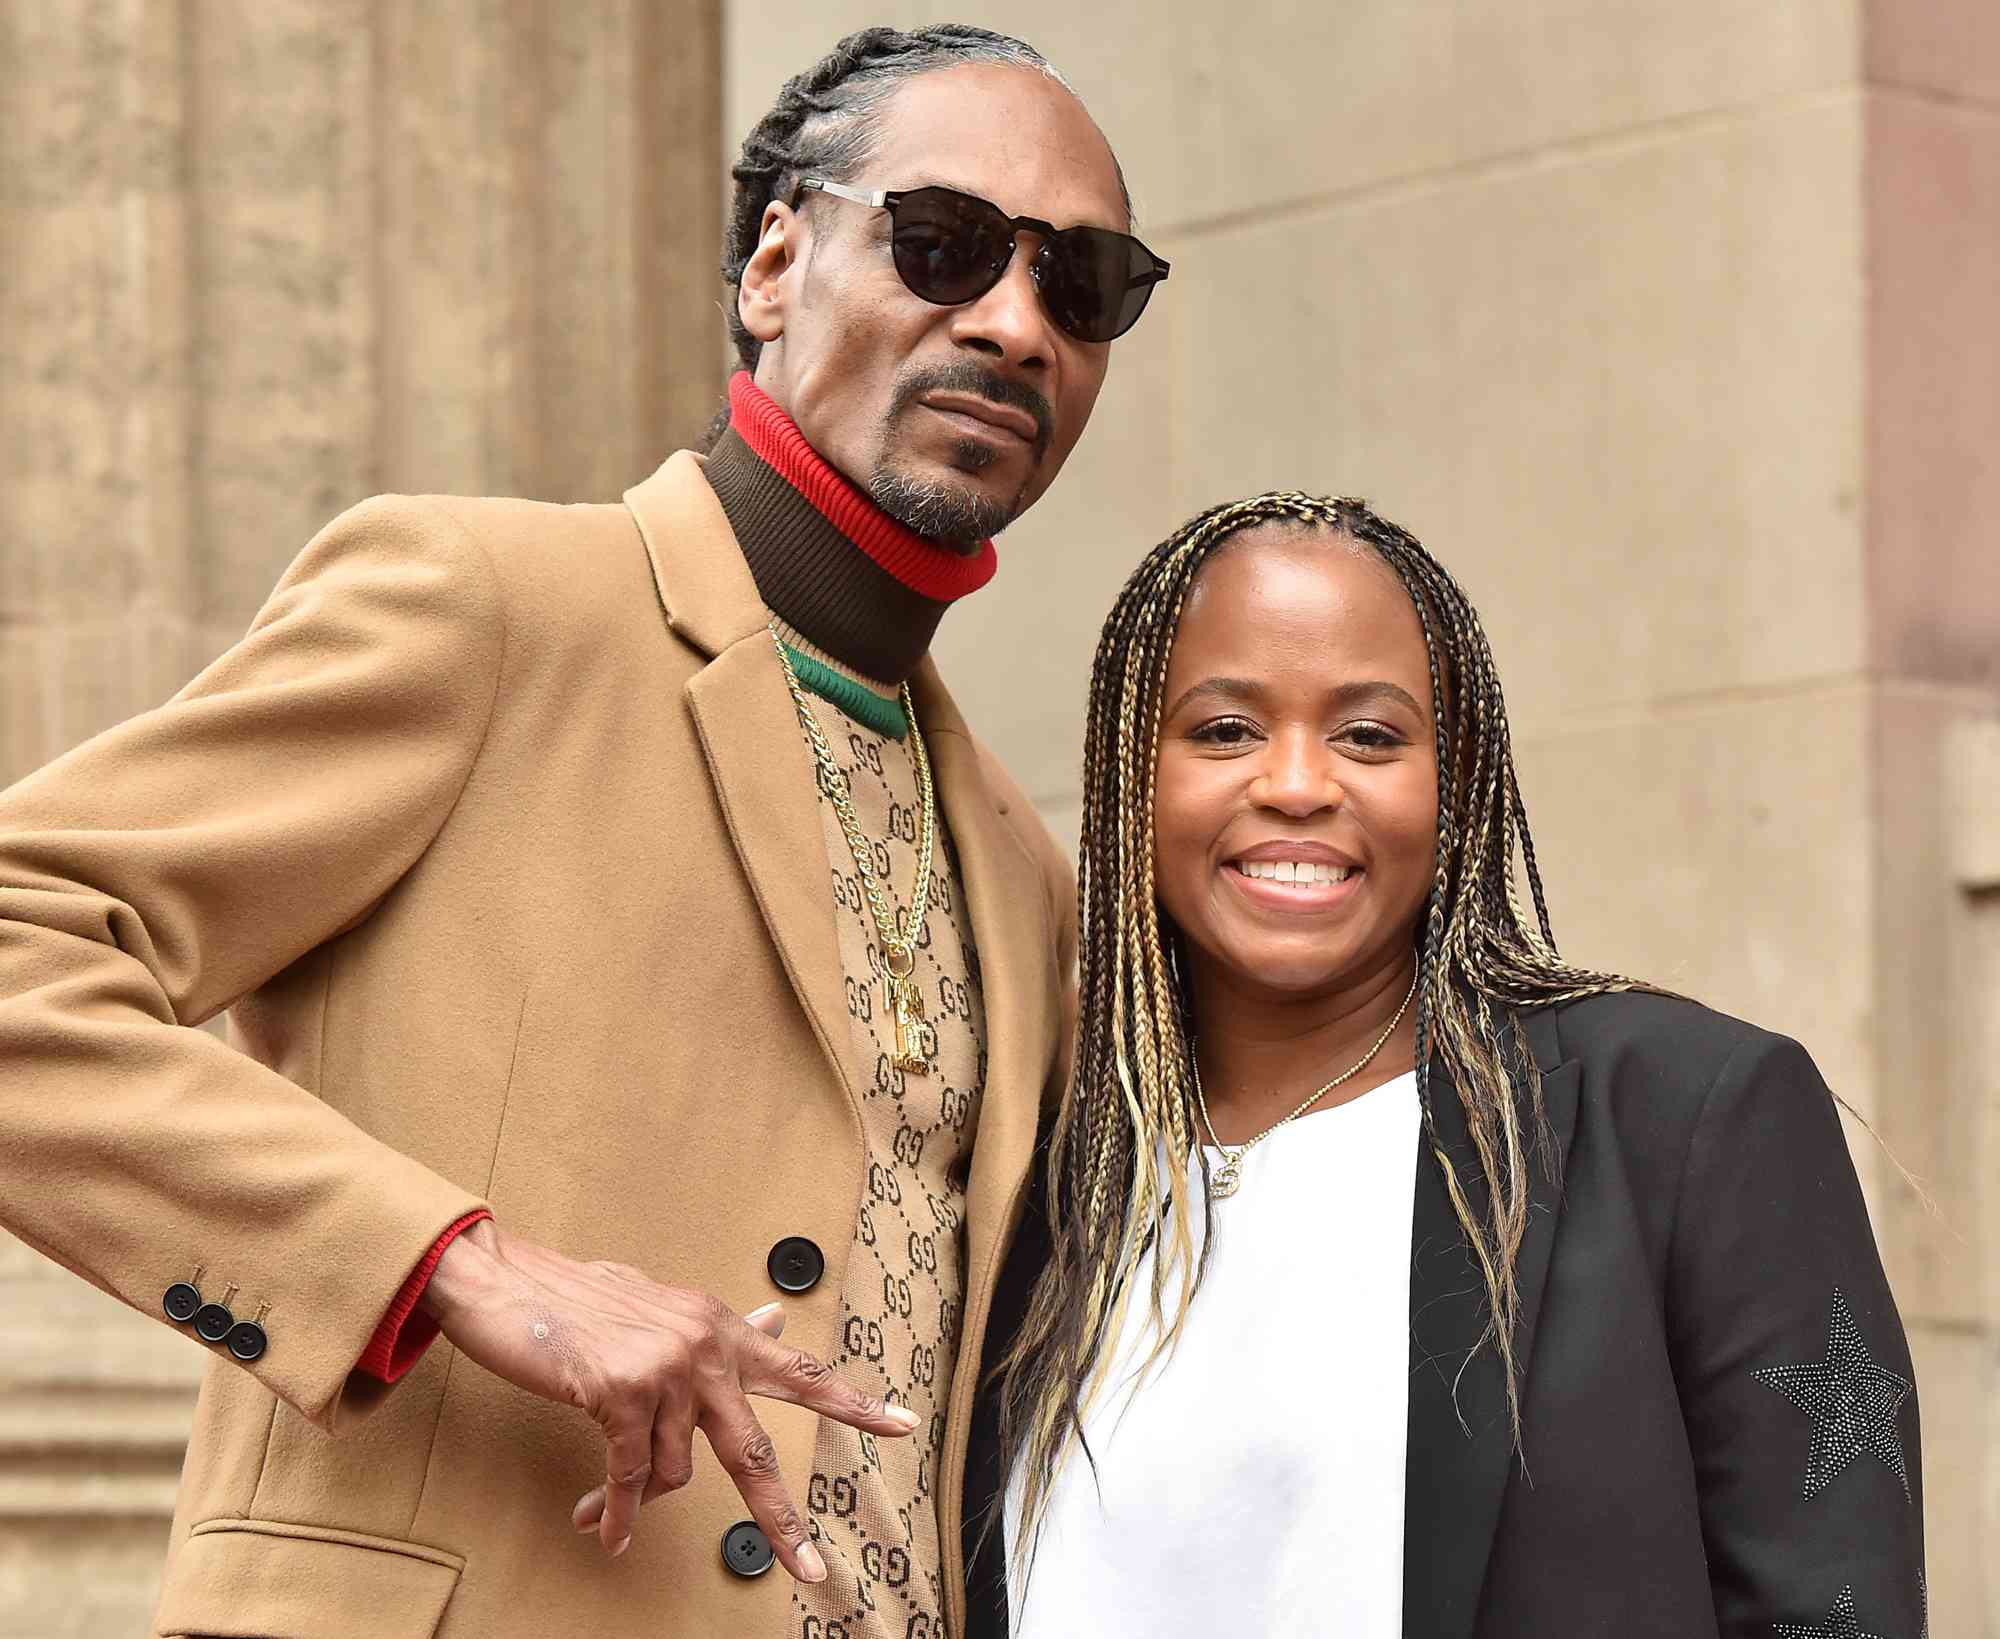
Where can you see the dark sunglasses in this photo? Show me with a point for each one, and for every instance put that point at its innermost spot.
(952, 247)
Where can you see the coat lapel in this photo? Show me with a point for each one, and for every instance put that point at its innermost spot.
(764, 780)
(757, 758)
(1016, 945)
(1460, 1444)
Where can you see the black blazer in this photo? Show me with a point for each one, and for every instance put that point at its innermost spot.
(1717, 1402)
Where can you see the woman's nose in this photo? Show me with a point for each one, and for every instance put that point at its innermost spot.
(1298, 777)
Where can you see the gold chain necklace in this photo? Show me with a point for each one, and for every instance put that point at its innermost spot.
(916, 1040)
(1228, 1178)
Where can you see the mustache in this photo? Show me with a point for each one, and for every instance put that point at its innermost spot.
(967, 377)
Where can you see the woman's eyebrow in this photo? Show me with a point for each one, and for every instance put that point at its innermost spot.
(1241, 691)
(1377, 688)
(1235, 689)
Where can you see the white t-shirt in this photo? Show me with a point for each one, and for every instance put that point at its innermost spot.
(1253, 1485)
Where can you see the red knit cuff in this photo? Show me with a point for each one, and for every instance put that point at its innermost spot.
(406, 1331)
(926, 568)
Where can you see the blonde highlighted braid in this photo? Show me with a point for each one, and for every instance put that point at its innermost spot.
(1480, 957)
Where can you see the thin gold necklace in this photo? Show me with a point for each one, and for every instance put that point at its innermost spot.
(899, 933)
(1228, 1178)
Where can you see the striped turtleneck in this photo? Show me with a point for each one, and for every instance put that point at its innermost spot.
(835, 568)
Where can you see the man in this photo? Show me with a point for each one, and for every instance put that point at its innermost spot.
(604, 883)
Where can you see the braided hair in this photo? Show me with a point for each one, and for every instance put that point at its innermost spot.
(822, 125)
(1480, 959)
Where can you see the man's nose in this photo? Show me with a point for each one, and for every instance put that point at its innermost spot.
(1009, 322)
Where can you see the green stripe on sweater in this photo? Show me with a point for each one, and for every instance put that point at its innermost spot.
(865, 706)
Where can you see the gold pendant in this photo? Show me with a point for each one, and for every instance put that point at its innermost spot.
(1227, 1178)
(913, 1033)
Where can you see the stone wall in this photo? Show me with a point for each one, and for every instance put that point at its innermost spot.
(261, 260)
(1671, 326)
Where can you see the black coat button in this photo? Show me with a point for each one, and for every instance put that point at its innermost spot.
(181, 1302)
(247, 1340)
(746, 1550)
(212, 1322)
(795, 1264)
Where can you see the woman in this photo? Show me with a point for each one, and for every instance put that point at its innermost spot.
(1388, 1274)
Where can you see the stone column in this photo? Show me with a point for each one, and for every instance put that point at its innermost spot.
(1931, 196)
(264, 259)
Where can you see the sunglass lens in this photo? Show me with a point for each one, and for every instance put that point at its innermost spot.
(1096, 282)
(948, 246)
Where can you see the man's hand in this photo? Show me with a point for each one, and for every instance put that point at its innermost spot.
(650, 1364)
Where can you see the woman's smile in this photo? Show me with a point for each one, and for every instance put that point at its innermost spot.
(1294, 878)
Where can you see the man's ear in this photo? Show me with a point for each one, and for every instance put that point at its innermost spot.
(761, 297)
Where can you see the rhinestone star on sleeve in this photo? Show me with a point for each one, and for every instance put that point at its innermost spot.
(1842, 1622)
(1851, 1402)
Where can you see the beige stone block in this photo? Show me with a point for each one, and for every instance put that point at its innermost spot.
(85, 1454)
(1958, 1390)
(60, 1580)
(282, 150)
(1226, 112)
(1972, 801)
(1974, 1027)
(103, 672)
(1065, 823)
(1949, 48)
(1619, 393)
(1933, 1007)
(553, 225)
(1281, 101)
(93, 312)
(1933, 185)
(26, 705)
(1018, 655)
(1723, 851)
(452, 203)
(65, 683)
(68, 1334)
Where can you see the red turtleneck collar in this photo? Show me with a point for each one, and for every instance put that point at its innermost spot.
(923, 566)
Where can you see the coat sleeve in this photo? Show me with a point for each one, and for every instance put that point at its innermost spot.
(1794, 1373)
(163, 870)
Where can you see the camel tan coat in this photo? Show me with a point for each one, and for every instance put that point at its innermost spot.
(498, 836)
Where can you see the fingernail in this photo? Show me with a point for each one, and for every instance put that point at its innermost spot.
(904, 1416)
(761, 1311)
(620, 1546)
(811, 1563)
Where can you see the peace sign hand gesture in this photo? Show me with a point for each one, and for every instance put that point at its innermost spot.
(650, 1364)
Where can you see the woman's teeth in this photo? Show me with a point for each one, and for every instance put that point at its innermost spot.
(1300, 871)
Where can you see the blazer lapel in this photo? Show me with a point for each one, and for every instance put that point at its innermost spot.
(757, 757)
(1461, 1446)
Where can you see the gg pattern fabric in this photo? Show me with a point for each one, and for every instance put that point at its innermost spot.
(871, 1505)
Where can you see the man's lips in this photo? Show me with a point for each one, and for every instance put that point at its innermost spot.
(1000, 417)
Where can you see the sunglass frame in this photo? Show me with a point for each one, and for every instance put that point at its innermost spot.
(887, 199)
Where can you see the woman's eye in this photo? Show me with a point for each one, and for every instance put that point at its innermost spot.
(1224, 731)
(1371, 736)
